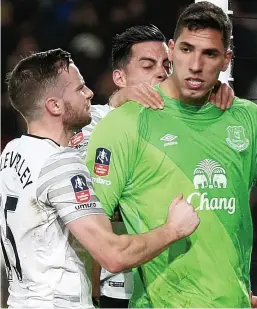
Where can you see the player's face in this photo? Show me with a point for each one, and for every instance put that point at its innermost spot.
(76, 99)
(149, 63)
(198, 57)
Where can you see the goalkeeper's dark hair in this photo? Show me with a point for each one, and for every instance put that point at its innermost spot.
(122, 43)
(32, 77)
(203, 15)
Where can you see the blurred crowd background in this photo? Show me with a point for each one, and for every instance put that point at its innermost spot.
(86, 27)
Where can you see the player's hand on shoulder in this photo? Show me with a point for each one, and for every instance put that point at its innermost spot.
(182, 217)
(142, 93)
(222, 96)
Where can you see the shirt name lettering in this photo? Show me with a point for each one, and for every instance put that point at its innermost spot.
(15, 161)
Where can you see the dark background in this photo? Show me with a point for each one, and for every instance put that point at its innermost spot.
(85, 28)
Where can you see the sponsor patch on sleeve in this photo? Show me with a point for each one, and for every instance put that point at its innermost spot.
(102, 162)
(80, 188)
(77, 138)
(116, 284)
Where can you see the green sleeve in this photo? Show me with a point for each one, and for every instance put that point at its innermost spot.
(254, 115)
(116, 135)
(248, 115)
(255, 173)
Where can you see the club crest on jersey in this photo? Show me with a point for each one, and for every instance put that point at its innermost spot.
(236, 138)
(102, 161)
(77, 138)
(80, 188)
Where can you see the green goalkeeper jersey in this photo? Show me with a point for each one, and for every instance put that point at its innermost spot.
(141, 159)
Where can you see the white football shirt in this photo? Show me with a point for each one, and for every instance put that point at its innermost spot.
(117, 285)
(80, 140)
(112, 285)
(43, 187)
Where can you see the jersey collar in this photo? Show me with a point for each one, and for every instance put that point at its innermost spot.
(207, 111)
(41, 137)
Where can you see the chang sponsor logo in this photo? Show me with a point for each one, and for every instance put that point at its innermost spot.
(215, 203)
(209, 174)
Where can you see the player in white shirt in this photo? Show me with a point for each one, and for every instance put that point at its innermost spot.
(139, 60)
(46, 191)
(80, 140)
(41, 183)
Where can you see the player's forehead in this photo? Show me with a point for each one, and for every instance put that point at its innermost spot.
(153, 49)
(71, 77)
(201, 39)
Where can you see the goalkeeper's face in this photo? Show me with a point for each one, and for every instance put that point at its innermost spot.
(198, 57)
(76, 99)
(148, 63)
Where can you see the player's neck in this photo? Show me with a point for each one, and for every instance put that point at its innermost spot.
(51, 131)
(172, 90)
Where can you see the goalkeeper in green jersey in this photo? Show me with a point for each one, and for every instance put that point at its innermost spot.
(137, 156)
(142, 53)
